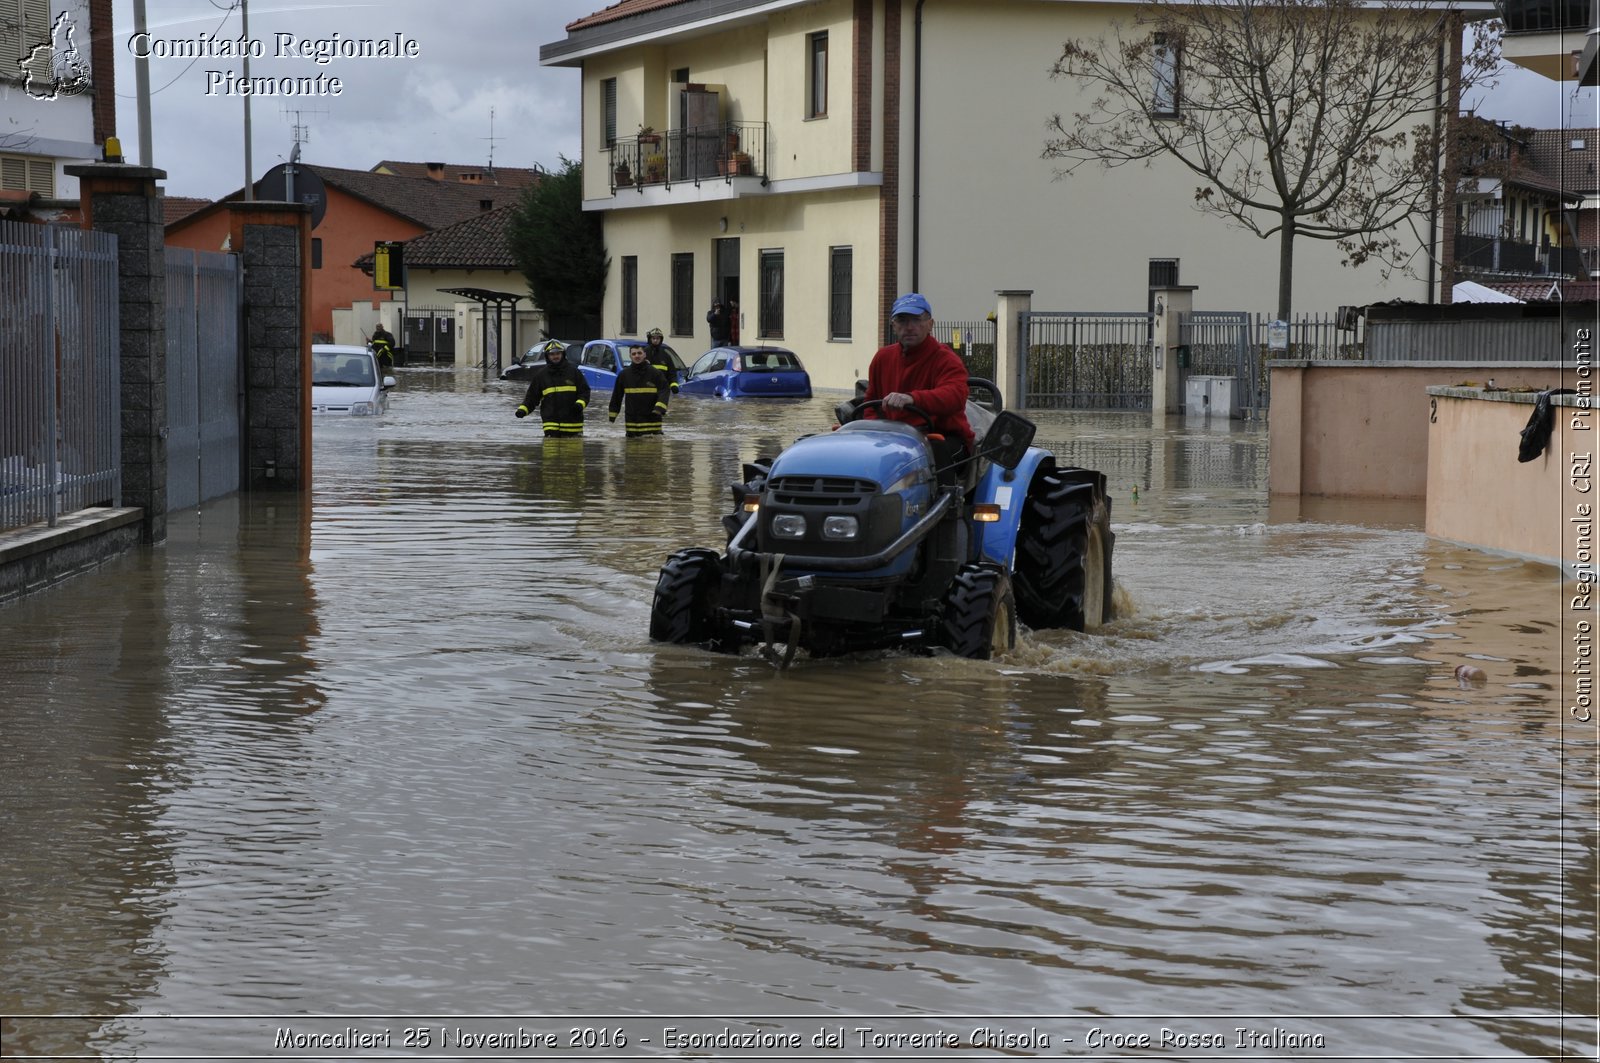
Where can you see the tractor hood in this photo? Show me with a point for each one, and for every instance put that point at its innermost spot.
(880, 451)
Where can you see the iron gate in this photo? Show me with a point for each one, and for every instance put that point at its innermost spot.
(1221, 343)
(60, 373)
(205, 402)
(1094, 360)
(429, 331)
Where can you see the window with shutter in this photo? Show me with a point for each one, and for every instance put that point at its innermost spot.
(23, 174)
(23, 25)
(42, 177)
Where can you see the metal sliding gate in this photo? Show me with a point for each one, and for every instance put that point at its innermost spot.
(60, 373)
(205, 400)
(1087, 360)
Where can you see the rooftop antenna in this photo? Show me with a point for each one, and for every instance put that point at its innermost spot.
(301, 133)
(490, 139)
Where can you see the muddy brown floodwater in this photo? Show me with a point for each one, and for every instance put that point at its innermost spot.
(403, 761)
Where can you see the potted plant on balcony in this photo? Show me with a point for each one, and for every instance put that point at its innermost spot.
(741, 163)
(648, 135)
(623, 175)
(655, 168)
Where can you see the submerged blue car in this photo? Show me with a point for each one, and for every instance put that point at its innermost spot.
(602, 360)
(748, 372)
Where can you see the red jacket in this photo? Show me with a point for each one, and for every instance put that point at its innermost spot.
(936, 379)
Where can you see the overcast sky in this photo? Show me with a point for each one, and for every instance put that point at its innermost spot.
(473, 56)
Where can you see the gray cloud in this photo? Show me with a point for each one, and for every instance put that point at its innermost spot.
(474, 56)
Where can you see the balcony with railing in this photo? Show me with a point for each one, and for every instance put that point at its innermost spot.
(727, 152)
(1478, 254)
(1551, 37)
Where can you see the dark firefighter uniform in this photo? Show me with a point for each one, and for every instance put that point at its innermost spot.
(658, 358)
(560, 392)
(640, 395)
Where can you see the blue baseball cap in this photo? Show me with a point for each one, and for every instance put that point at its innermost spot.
(911, 303)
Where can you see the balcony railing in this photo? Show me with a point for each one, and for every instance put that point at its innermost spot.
(1494, 254)
(692, 155)
(1547, 16)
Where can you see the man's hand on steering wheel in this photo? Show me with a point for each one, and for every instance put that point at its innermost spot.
(908, 407)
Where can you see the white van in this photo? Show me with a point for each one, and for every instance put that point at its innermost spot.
(345, 380)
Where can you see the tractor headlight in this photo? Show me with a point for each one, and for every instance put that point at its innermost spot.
(789, 526)
(840, 528)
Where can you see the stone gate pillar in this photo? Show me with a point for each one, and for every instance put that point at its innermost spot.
(1166, 375)
(1009, 345)
(273, 240)
(124, 200)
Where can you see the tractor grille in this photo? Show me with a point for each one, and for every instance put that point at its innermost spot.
(820, 491)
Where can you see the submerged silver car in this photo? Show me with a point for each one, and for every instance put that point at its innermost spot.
(345, 380)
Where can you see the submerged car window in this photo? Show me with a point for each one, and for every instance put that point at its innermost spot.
(349, 370)
(703, 364)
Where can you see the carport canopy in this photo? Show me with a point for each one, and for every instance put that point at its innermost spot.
(483, 297)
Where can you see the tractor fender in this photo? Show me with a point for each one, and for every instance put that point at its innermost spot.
(997, 541)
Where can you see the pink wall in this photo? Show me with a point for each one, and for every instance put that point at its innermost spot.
(1481, 495)
(1360, 429)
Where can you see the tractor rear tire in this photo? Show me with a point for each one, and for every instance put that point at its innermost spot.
(979, 619)
(685, 600)
(1063, 565)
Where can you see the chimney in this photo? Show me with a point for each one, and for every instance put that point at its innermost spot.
(472, 178)
(435, 171)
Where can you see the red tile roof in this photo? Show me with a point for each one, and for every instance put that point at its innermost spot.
(176, 208)
(1550, 151)
(455, 173)
(619, 10)
(480, 242)
(1548, 291)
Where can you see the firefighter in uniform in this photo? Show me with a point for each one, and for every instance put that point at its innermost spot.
(382, 345)
(559, 390)
(658, 357)
(640, 395)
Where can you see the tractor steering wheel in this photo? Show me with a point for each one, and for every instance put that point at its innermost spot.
(927, 418)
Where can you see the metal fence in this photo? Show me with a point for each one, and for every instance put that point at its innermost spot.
(1087, 360)
(1237, 344)
(205, 400)
(973, 341)
(60, 382)
(1527, 339)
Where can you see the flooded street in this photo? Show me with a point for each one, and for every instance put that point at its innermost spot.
(406, 759)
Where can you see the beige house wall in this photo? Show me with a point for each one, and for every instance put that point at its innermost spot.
(1362, 430)
(974, 206)
(1479, 494)
(994, 215)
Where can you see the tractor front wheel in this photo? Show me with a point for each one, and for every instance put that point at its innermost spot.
(1063, 566)
(979, 619)
(685, 600)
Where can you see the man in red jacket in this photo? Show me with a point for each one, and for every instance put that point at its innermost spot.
(922, 372)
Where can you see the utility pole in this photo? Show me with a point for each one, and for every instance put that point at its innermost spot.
(141, 81)
(244, 34)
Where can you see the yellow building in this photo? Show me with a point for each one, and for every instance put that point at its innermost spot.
(810, 159)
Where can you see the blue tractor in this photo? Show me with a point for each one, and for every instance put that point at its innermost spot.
(857, 539)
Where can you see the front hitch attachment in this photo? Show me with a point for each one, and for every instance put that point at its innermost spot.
(775, 611)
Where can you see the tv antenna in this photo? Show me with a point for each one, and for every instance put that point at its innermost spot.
(490, 139)
(299, 129)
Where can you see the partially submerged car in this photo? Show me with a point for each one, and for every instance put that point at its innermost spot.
(748, 372)
(523, 365)
(345, 381)
(602, 360)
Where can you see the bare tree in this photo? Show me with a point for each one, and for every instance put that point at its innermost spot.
(1303, 119)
